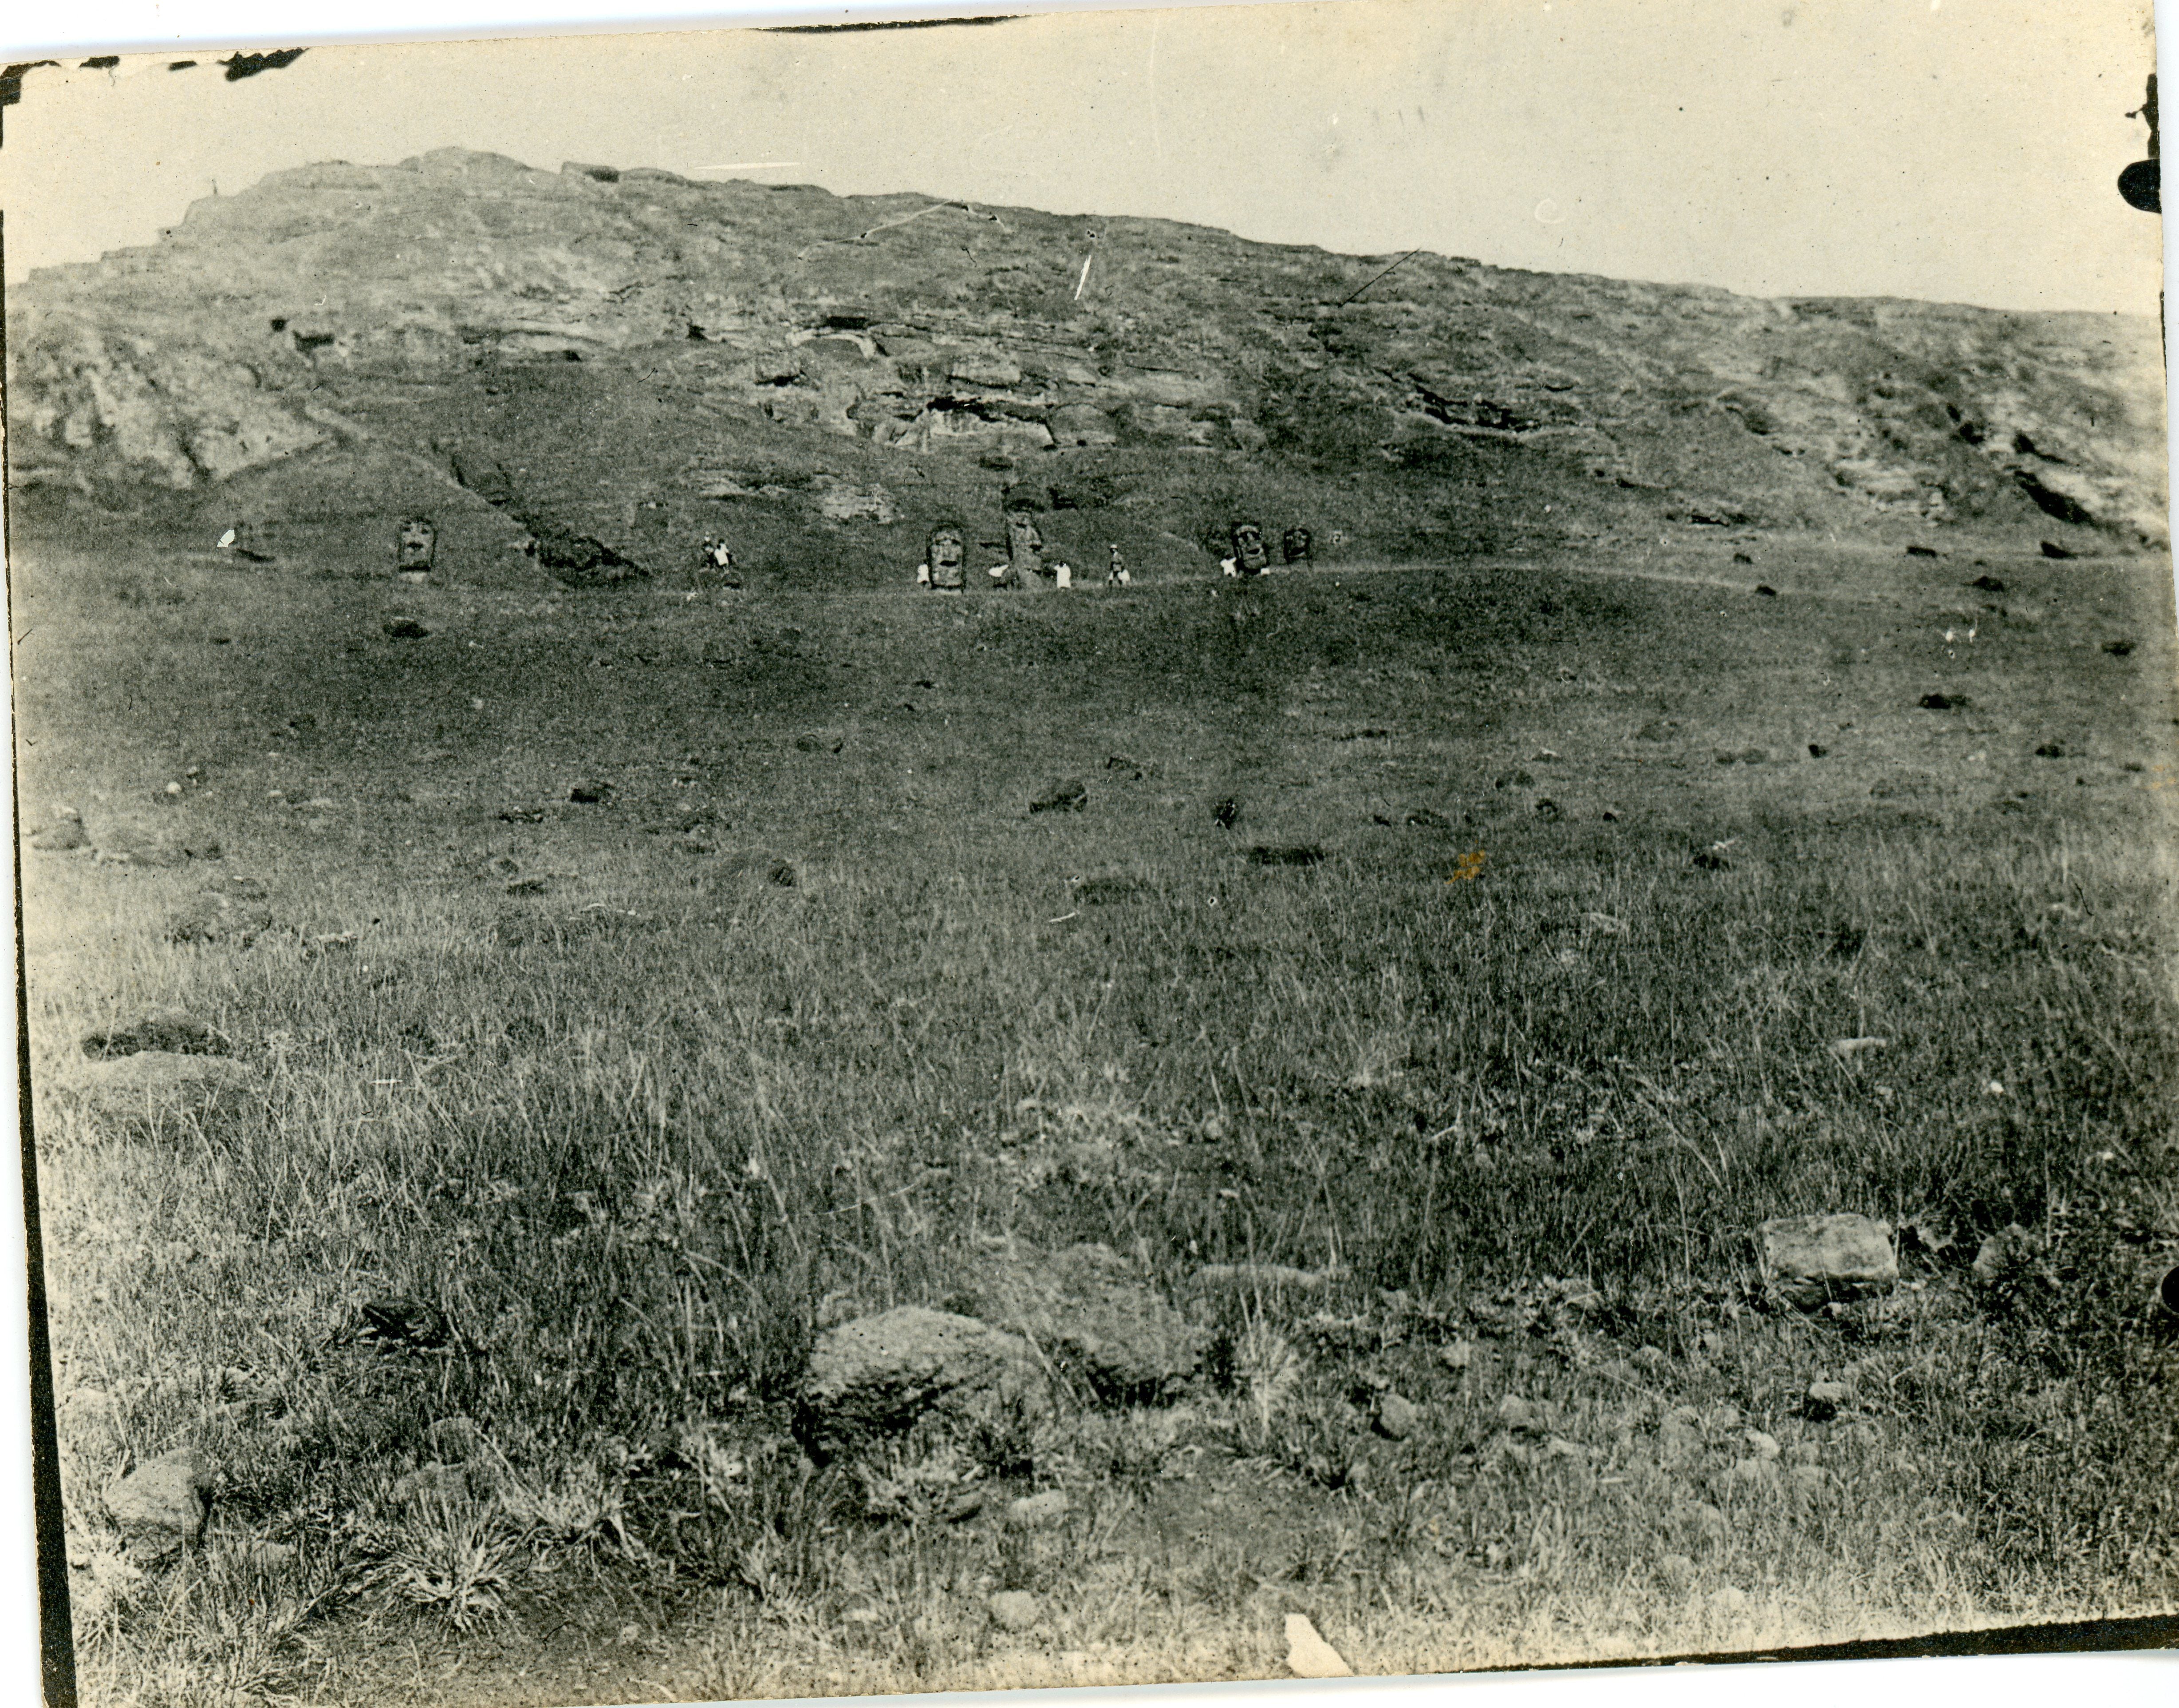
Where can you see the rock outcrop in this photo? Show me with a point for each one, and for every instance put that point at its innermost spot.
(636, 360)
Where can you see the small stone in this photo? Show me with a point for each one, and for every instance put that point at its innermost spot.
(432, 1483)
(1070, 796)
(455, 1437)
(1014, 1610)
(1763, 1447)
(174, 1029)
(1728, 1600)
(1810, 1260)
(1679, 1568)
(878, 1374)
(65, 833)
(162, 1079)
(405, 629)
(591, 793)
(1651, 1357)
(214, 917)
(164, 1504)
(1456, 1355)
(1309, 1656)
(1397, 1417)
(1519, 1413)
(1824, 1400)
(2004, 1255)
(1035, 1511)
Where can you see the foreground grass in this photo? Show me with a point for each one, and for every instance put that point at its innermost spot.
(645, 1094)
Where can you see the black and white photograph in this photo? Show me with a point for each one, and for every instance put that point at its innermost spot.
(1149, 846)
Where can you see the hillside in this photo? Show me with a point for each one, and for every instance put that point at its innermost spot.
(648, 359)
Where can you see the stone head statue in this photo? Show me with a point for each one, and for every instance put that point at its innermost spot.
(946, 551)
(419, 541)
(1296, 544)
(1249, 555)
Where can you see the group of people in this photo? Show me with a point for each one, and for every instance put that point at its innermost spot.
(944, 568)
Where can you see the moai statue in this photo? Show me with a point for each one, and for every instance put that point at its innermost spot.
(1024, 549)
(418, 547)
(944, 568)
(1249, 557)
(1116, 572)
(1296, 545)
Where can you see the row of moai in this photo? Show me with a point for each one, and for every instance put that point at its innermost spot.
(945, 566)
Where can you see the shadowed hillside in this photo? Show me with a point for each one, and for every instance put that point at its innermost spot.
(646, 359)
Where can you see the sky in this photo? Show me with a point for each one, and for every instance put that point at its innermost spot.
(1955, 149)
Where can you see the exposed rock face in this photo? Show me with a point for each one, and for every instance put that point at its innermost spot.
(879, 1375)
(619, 354)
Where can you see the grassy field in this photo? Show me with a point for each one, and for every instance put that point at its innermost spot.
(648, 1092)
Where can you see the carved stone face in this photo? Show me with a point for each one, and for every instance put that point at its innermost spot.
(420, 538)
(947, 555)
(1296, 545)
(1249, 552)
(1022, 539)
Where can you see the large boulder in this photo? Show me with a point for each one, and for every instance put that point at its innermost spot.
(878, 1376)
(1813, 1260)
(1096, 1317)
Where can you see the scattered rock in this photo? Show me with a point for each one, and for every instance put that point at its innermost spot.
(591, 793)
(1763, 589)
(2006, 1255)
(818, 744)
(432, 1484)
(1845, 1049)
(1102, 892)
(1455, 1355)
(1292, 855)
(162, 1080)
(877, 1374)
(1397, 1417)
(1988, 584)
(2051, 549)
(1921, 551)
(264, 1557)
(1070, 796)
(398, 1322)
(405, 629)
(64, 833)
(1225, 812)
(1519, 1413)
(1943, 702)
(527, 886)
(1259, 1278)
(1817, 749)
(2051, 750)
(1548, 809)
(2118, 649)
(163, 1505)
(1810, 1260)
(1730, 1600)
(1657, 729)
(1713, 859)
(175, 1031)
(1309, 1656)
(522, 815)
(1014, 1610)
(1037, 1512)
(1823, 1400)
(1094, 1317)
(1741, 557)
(1512, 779)
(783, 875)
(1762, 1446)
(213, 916)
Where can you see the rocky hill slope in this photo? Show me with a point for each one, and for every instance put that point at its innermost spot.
(647, 360)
